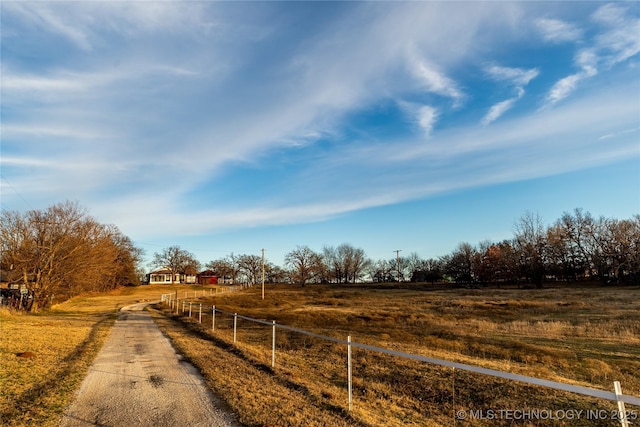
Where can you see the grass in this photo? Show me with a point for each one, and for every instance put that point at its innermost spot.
(582, 336)
(589, 337)
(34, 391)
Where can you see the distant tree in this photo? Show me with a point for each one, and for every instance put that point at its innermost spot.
(381, 271)
(399, 267)
(561, 259)
(176, 260)
(304, 264)
(226, 268)
(251, 267)
(429, 270)
(345, 263)
(530, 244)
(274, 273)
(459, 264)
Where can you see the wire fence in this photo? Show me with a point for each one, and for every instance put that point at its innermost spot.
(288, 337)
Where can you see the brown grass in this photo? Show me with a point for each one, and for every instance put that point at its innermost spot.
(34, 391)
(587, 337)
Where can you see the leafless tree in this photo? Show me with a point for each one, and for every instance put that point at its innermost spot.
(62, 251)
(530, 243)
(176, 260)
(304, 264)
(251, 267)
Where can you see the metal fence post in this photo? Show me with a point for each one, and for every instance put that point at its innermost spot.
(235, 326)
(213, 318)
(200, 314)
(349, 372)
(621, 409)
(273, 346)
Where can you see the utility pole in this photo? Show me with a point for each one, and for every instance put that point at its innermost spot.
(398, 260)
(262, 273)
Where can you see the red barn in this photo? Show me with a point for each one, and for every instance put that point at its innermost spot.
(207, 277)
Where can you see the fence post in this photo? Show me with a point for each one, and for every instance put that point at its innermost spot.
(235, 326)
(184, 303)
(273, 346)
(190, 309)
(213, 318)
(349, 372)
(200, 314)
(621, 409)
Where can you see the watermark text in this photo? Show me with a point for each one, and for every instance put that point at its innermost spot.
(545, 414)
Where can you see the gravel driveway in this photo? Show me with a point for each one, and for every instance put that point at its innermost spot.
(137, 379)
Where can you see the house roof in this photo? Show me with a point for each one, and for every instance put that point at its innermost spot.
(188, 270)
(207, 273)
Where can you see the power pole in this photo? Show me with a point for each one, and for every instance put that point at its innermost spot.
(262, 273)
(398, 260)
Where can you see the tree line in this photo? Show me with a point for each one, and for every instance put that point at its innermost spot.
(60, 252)
(577, 246)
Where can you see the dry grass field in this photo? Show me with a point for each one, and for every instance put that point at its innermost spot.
(588, 337)
(45, 356)
(582, 336)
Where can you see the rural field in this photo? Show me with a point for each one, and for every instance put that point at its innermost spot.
(588, 336)
(45, 356)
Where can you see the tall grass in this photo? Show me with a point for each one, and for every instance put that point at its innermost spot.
(589, 338)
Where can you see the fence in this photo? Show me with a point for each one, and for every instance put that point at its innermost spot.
(182, 306)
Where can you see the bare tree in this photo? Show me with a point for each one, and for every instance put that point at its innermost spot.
(305, 265)
(530, 242)
(62, 251)
(176, 260)
(251, 267)
(459, 264)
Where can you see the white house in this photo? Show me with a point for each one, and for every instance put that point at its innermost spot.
(163, 276)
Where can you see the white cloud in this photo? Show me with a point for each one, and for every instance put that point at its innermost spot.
(562, 88)
(558, 31)
(620, 40)
(518, 77)
(120, 128)
(427, 117)
(498, 110)
(434, 81)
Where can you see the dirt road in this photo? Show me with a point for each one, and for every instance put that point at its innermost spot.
(138, 379)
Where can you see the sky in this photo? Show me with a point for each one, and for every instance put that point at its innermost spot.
(231, 127)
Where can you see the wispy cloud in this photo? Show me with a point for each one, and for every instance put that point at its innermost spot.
(435, 81)
(516, 77)
(558, 31)
(620, 40)
(617, 42)
(226, 114)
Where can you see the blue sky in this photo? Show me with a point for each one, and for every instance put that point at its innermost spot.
(235, 126)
